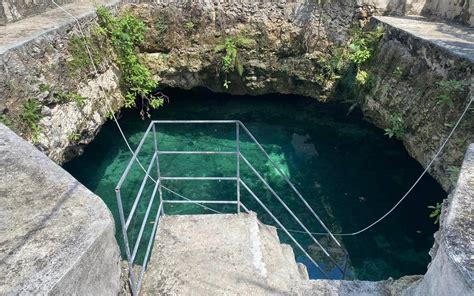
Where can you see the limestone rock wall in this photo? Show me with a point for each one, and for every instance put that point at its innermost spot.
(285, 56)
(292, 42)
(406, 73)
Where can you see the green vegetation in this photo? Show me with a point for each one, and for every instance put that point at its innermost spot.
(80, 57)
(189, 25)
(64, 97)
(231, 61)
(398, 71)
(6, 120)
(74, 137)
(397, 126)
(332, 66)
(449, 89)
(362, 77)
(361, 49)
(124, 34)
(161, 26)
(350, 62)
(43, 87)
(30, 116)
(436, 213)
(454, 172)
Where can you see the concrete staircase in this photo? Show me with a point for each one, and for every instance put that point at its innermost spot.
(235, 254)
(226, 254)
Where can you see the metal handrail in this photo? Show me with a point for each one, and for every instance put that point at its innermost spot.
(290, 212)
(125, 222)
(291, 185)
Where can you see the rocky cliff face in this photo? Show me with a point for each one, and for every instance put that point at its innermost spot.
(281, 48)
(411, 78)
(291, 48)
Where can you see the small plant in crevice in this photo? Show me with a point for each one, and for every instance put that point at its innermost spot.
(454, 172)
(449, 89)
(231, 60)
(6, 120)
(80, 59)
(398, 72)
(397, 127)
(189, 26)
(362, 77)
(161, 26)
(362, 49)
(124, 33)
(436, 213)
(61, 97)
(74, 137)
(44, 87)
(30, 116)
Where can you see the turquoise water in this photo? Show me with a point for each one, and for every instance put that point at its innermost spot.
(347, 169)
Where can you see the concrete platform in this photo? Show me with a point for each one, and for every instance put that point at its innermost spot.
(454, 38)
(56, 237)
(219, 255)
(17, 33)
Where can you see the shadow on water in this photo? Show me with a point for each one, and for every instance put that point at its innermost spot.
(348, 170)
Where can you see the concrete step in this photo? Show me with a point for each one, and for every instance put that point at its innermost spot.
(215, 255)
(279, 268)
(291, 262)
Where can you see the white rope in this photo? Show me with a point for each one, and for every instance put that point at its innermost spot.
(318, 233)
(419, 178)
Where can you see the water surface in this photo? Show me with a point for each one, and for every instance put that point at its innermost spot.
(347, 169)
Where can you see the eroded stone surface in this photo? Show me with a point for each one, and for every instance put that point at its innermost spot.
(56, 237)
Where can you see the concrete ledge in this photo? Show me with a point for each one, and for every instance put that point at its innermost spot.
(455, 39)
(56, 237)
(451, 271)
(15, 35)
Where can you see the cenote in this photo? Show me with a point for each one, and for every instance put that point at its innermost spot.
(346, 168)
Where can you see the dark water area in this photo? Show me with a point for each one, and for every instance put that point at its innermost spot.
(347, 169)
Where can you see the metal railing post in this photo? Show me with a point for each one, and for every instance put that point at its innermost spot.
(125, 240)
(237, 134)
(158, 172)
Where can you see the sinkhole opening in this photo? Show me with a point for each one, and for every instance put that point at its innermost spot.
(346, 168)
